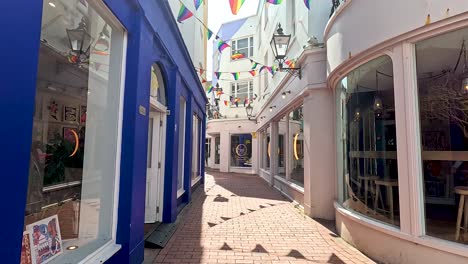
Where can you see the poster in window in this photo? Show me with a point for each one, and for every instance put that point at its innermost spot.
(70, 114)
(46, 239)
(26, 252)
(53, 109)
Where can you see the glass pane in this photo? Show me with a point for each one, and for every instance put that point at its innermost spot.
(443, 125)
(195, 152)
(296, 124)
(242, 43)
(244, 51)
(180, 176)
(217, 149)
(158, 90)
(150, 143)
(366, 128)
(241, 150)
(70, 197)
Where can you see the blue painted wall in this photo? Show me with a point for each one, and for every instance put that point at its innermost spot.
(153, 36)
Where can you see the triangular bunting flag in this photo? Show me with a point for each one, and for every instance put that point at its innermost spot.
(236, 5)
(262, 68)
(210, 88)
(197, 3)
(209, 33)
(254, 65)
(201, 71)
(203, 81)
(222, 45)
(217, 74)
(184, 13)
(307, 3)
(236, 75)
(253, 72)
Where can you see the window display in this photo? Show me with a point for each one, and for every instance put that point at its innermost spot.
(217, 150)
(241, 150)
(296, 140)
(366, 129)
(195, 147)
(442, 69)
(182, 117)
(72, 175)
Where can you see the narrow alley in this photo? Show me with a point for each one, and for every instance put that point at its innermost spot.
(238, 218)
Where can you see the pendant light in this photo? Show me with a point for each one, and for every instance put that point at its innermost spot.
(378, 104)
(357, 111)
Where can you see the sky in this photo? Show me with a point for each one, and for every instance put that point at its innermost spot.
(219, 12)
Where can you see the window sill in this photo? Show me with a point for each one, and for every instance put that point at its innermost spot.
(180, 193)
(432, 242)
(196, 180)
(102, 254)
(60, 186)
(290, 184)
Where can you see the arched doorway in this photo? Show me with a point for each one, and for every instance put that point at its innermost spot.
(156, 145)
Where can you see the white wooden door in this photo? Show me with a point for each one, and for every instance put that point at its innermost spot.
(153, 168)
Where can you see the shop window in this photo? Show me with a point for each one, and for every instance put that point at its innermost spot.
(182, 117)
(217, 150)
(296, 140)
(195, 147)
(241, 150)
(367, 152)
(72, 175)
(442, 69)
(281, 155)
(266, 149)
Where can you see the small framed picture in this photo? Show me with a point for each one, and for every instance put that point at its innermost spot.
(53, 109)
(70, 114)
(83, 110)
(46, 239)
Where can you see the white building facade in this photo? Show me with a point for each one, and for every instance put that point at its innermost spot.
(373, 134)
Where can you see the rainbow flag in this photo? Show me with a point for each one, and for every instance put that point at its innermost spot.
(210, 88)
(217, 74)
(235, 75)
(222, 45)
(307, 3)
(184, 13)
(209, 33)
(236, 5)
(197, 3)
(237, 56)
(253, 72)
(274, 2)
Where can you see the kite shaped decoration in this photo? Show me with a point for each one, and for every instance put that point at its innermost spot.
(184, 13)
(236, 5)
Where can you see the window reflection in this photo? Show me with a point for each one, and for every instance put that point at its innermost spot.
(442, 71)
(367, 133)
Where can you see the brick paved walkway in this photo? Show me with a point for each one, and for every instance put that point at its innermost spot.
(240, 219)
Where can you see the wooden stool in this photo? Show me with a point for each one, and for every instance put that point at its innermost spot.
(389, 184)
(368, 180)
(462, 210)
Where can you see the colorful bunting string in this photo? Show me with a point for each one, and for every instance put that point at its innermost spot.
(184, 13)
(236, 5)
(307, 3)
(197, 3)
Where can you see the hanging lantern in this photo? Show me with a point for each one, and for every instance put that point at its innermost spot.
(80, 42)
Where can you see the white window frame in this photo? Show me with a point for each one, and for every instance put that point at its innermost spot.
(250, 47)
(250, 91)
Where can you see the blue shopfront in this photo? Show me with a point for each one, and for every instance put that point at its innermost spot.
(103, 126)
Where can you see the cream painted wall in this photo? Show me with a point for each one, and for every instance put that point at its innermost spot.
(193, 31)
(362, 24)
